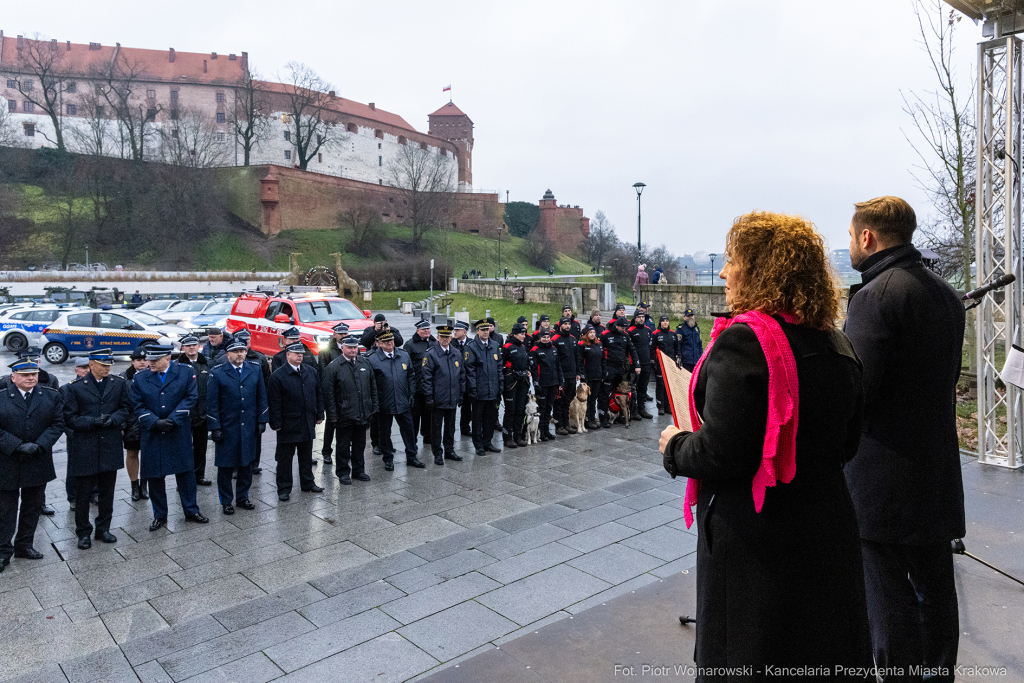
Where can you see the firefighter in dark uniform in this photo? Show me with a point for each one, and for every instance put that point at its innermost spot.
(543, 323)
(619, 357)
(574, 324)
(444, 382)
(690, 345)
(417, 350)
(216, 342)
(396, 386)
(296, 406)
(31, 422)
(485, 379)
(96, 408)
(595, 322)
(645, 308)
(260, 361)
(664, 340)
(591, 366)
(289, 337)
(641, 338)
(370, 334)
(191, 356)
(328, 354)
(515, 363)
(547, 379)
(460, 339)
(565, 342)
(350, 398)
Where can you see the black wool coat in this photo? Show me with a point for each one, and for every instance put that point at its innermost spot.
(907, 326)
(444, 377)
(350, 392)
(783, 586)
(201, 366)
(280, 359)
(94, 449)
(41, 422)
(296, 403)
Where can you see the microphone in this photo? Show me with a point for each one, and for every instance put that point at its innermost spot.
(998, 283)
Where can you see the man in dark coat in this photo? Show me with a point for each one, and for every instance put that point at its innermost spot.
(547, 379)
(666, 341)
(259, 360)
(201, 366)
(619, 357)
(237, 414)
(498, 338)
(444, 382)
(216, 341)
(515, 363)
(640, 335)
(396, 386)
(370, 334)
(417, 350)
(31, 422)
(459, 341)
(350, 398)
(96, 408)
(323, 359)
(645, 308)
(289, 337)
(907, 326)
(163, 400)
(574, 325)
(595, 322)
(690, 345)
(296, 407)
(485, 380)
(565, 344)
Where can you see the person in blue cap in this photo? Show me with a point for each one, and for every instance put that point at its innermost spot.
(690, 345)
(96, 409)
(396, 385)
(257, 359)
(326, 355)
(31, 422)
(485, 380)
(296, 405)
(444, 382)
(163, 400)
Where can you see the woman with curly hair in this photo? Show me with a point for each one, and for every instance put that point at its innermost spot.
(775, 402)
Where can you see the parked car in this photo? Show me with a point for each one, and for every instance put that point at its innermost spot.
(181, 312)
(157, 306)
(214, 316)
(268, 313)
(122, 331)
(21, 325)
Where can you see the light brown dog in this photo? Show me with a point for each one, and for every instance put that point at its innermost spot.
(578, 408)
(622, 399)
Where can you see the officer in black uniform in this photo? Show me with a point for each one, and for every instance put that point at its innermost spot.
(515, 363)
(31, 422)
(640, 335)
(565, 342)
(191, 356)
(547, 379)
(485, 379)
(664, 340)
(417, 350)
(289, 337)
(328, 354)
(216, 342)
(459, 340)
(350, 398)
(444, 383)
(574, 324)
(591, 366)
(619, 312)
(595, 322)
(619, 356)
(296, 405)
(258, 359)
(396, 386)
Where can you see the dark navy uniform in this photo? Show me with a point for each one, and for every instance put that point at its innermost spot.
(466, 412)
(565, 344)
(323, 359)
(619, 358)
(279, 360)
(591, 360)
(667, 342)
(690, 345)
(417, 347)
(296, 404)
(484, 379)
(237, 414)
(547, 379)
(640, 335)
(444, 382)
(516, 367)
(396, 391)
(350, 398)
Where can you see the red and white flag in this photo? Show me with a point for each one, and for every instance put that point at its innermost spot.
(446, 88)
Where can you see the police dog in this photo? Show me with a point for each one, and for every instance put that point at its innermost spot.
(622, 394)
(578, 408)
(532, 421)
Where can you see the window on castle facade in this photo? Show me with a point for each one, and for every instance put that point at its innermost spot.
(320, 157)
(221, 137)
(98, 89)
(174, 133)
(174, 115)
(11, 83)
(151, 114)
(220, 97)
(378, 145)
(380, 161)
(287, 136)
(99, 111)
(30, 129)
(287, 154)
(72, 110)
(174, 96)
(12, 105)
(29, 108)
(151, 94)
(220, 117)
(71, 87)
(27, 85)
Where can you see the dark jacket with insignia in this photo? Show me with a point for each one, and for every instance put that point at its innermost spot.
(252, 357)
(173, 399)
(667, 342)
(417, 347)
(296, 402)
(484, 376)
(565, 344)
(280, 360)
(690, 345)
(619, 353)
(591, 360)
(94, 448)
(40, 421)
(515, 363)
(444, 377)
(236, 404)
(545, 366)
(369, 337)
(202, 368)
(395, 378)
(641, 338)
(350, 391)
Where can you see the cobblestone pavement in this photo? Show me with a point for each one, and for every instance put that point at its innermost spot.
(386, 580)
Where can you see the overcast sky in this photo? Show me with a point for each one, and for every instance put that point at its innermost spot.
(719, 106)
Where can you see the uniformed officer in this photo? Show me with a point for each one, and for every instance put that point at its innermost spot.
(325, 357)
(258, 359)
(664, 340)
(619, 357)
(370, 334)
(565, 343)
(547, 379)
(516, 370)
(81, 370)
(296, 407)
(289, 337)
(459, 340)
(574, 324)
(498, 339)
(96, 408)
(132, 431)
(350, 397)
(595, 322)
(591, 366)
(216, 341)
(619, 312)
(690, 344)
(417, 350)
(543, 323)
(640, 335)
(444, 382)
(645, 308)
(485, 380)
(191, 356)
(31, 422)
(396, 386)
(163, 400)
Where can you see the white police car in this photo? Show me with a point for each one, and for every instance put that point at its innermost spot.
(122, 331)
(22, 324)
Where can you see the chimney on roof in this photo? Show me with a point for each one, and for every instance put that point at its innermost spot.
(170, 55)
(204, 66)
(331, 94)
(245, 60)
(213, 55)
(21, 44)
(373, 107)
(69, 46)
(53, 45)
(232, 57)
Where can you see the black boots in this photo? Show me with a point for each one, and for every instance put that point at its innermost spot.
(143, 489)
(135, 491)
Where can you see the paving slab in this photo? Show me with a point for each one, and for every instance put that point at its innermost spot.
(103, 665)
(444, 569)
(389, 658)
(172, 639)
(133, 622)
(616, 563)
(405, 536)
(268, 606)
(456, 543)
(243, 561)
(256, 668)
(314, 564)
(374, 570)
(663, 542)
(320, 644)
(431, 600)
(529, 562)
(596, 516)
(651, 517)
(350, 603)
(457, 630)
(541, 594)
(531, 518)
(487, 510)
(520, 542)
(206, 598)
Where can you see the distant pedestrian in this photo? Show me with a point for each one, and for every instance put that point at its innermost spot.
(641, 280)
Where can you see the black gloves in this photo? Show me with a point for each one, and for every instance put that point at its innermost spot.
(217, 436)
(163, 426)
(29, 450)
(263, 427)
(105, 421)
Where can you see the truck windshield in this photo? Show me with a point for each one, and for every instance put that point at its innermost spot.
(323, 310)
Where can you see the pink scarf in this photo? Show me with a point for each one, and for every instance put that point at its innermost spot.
(778, 460)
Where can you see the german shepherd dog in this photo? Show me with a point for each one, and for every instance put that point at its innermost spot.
(623, 393)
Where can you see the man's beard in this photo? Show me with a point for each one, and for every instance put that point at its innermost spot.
(857, 257)
(692, 322)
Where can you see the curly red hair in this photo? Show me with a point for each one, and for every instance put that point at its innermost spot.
(782, 267)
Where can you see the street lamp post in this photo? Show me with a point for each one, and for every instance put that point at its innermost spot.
(639, 187)
(712, 268)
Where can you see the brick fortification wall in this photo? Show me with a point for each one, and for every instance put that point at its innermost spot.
(564, 226)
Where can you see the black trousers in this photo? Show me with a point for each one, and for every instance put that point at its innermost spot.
(328, 446)
(466, 415)
(485, 414)
(912, 607)
(24, 521)
(660, 392)
(105, 482)
(374, 430)
(442, 431)
(545, 403)
(240, 492)
(199, 434)
(517, 390)
(387, 446)
(421, 416)
(284, 454)
(567, 395)
(643, 383)
(595, 392)
(351, 444)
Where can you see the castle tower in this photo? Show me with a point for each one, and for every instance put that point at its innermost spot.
(563, 226)
(450, 123)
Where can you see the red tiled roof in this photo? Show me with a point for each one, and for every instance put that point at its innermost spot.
(344, 106)
(449, 110)
(156, 64)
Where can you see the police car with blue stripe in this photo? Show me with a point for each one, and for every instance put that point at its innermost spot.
(22, 324)
(122, 331)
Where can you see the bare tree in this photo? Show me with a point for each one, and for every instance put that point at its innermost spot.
(193, 141)
(122, 85)
(45, 65)
(309, 99)
(367, 230)
(601, 241)
(8, 129)
(426, 180)
(248, 116)
(540, 252)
